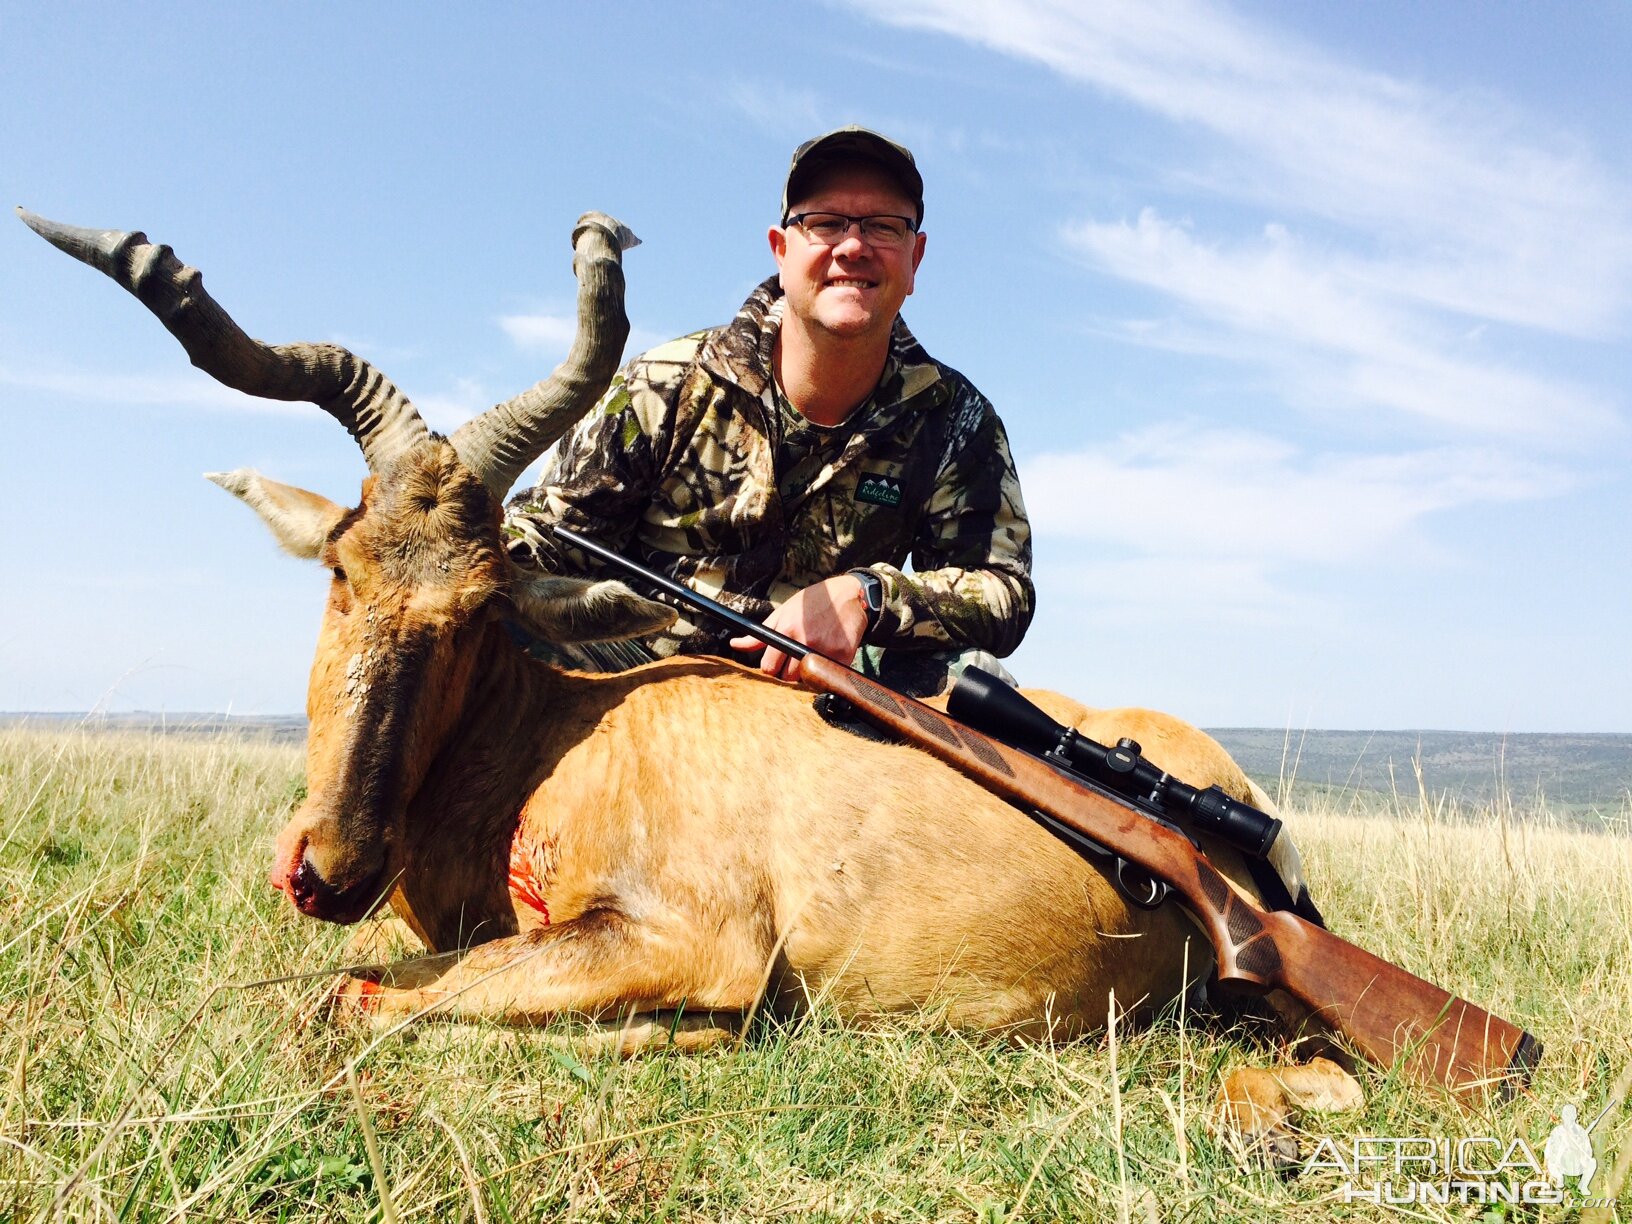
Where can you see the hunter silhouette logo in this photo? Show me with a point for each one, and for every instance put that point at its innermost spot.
(1568, 1152)
(879, 490)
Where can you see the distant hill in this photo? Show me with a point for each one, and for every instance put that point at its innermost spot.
(1569, 771)
(290, 728)
(1580, 773)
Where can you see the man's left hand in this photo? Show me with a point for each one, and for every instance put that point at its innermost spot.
(830, 617)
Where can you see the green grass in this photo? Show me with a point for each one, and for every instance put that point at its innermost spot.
(145, 1079)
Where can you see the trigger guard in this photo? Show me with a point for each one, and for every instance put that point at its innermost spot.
(1141, 889)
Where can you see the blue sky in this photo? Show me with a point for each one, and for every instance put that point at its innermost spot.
(1308, 322)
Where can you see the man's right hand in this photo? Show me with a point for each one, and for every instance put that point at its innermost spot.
(829, 616)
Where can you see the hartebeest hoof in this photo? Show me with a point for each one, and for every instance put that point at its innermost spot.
(355, 996)
(1257, 1106)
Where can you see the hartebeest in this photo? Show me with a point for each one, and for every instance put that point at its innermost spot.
(690, 836)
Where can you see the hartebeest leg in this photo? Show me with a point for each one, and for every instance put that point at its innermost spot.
(646, 1032)
(639, 983)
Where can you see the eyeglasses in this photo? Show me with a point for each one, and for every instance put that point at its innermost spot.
(830, 229)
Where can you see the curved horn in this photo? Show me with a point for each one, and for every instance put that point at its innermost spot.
(498, 445)
(345, 386)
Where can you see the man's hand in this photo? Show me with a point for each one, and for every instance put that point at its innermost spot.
(829, 617)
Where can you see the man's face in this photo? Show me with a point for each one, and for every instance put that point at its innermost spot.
(854, 289)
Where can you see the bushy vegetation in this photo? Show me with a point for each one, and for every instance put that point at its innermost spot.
(165, 1059)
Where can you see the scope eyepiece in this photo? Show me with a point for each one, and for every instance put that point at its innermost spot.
(1246, 828)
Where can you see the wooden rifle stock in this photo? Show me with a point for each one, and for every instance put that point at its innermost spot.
(1385, 1012)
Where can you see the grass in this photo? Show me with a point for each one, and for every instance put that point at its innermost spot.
(148, 1078)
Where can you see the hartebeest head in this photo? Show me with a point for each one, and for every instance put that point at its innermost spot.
(418, 568)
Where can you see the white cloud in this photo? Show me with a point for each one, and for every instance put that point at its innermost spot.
(1329, 337)
(378, 354)
(133, 390)
(1501, 217)
(799, 114)
(551, 335)
(1138, 592)
(1194, 496)
(1437, 211)
(446, 411)
(776, 107)
(548, 333)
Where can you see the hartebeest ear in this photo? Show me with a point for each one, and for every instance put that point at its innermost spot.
(565, 610)
(300, 521)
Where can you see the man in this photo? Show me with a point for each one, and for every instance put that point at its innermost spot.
(789, 462)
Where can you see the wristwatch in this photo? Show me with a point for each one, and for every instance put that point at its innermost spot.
(872, 595)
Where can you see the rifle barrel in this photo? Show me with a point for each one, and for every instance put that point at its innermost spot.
(687, 596)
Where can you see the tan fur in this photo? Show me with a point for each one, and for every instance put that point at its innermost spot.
(1259, 1107)
(707, 837)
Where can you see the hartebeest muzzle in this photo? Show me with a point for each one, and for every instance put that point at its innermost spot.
(295, 873)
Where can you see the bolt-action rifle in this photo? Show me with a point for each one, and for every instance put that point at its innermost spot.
(1383, 1011)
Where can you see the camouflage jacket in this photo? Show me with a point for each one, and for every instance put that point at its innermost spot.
(695, 465)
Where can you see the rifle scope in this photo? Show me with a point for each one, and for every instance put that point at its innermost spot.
(987, 704)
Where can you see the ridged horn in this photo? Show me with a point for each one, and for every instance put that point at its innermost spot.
(345, 386)
(498, 445)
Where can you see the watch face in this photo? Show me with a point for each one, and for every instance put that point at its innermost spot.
(872, 591)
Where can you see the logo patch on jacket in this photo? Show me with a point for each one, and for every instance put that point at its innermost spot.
(879, 489)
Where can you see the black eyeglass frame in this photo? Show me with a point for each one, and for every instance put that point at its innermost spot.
(859, 222)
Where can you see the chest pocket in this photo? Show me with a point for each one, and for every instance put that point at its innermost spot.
(885, 494)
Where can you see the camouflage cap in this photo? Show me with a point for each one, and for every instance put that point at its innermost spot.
(852, 143)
